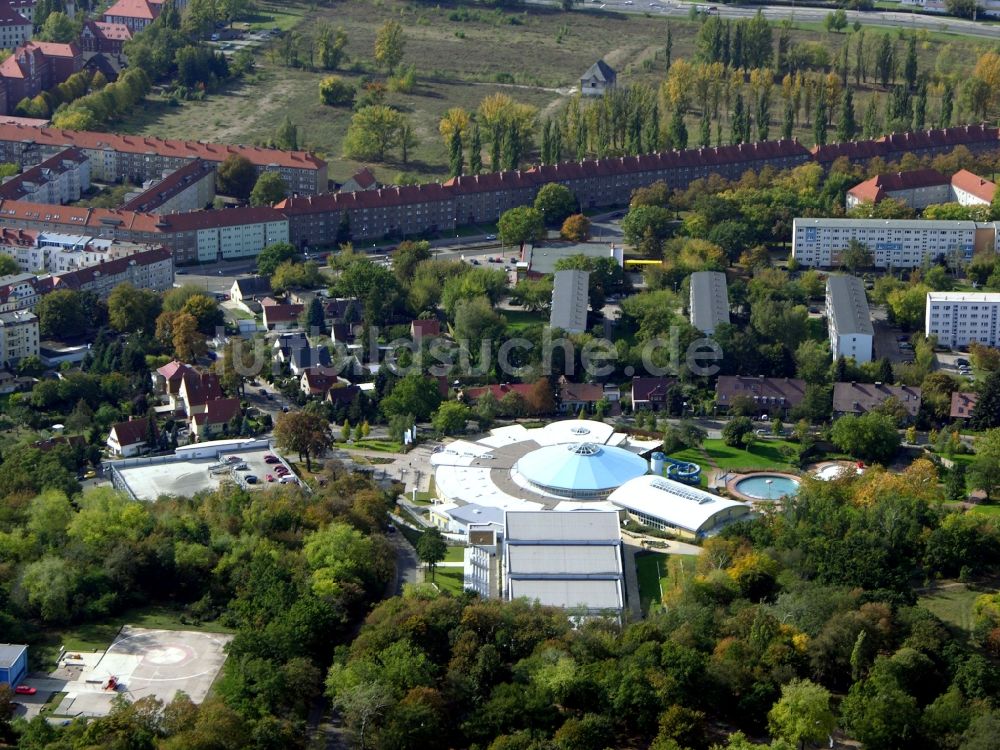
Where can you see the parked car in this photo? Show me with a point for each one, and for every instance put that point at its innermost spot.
(906, 345)
(491, 237)
(25, 690)
(270, 458)
(269, 477)
(289, 479)
(251, 479)
(962, 362)
(233, 459)
(262, 391)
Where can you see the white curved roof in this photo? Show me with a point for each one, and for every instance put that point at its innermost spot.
(674, 503)
(572, 431)
(580, 467)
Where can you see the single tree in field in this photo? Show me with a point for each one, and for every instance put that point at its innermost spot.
(431, 549)
(390, 41)
(303, 433)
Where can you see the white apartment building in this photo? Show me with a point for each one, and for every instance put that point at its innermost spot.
(18, 336)
(848, 318)
(239, 240)
(709, 303)
(895, 243)
(959, 318)
(15, 29)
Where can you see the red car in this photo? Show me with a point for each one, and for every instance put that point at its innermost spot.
(269, 477)
(25, 690)
(281, 471)
(270, 459)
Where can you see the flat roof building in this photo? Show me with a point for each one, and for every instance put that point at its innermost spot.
(848, 318)
(664, 504)
(571, 560)
(570, 300)
(13, 663)
(959, 318)
(709, 301)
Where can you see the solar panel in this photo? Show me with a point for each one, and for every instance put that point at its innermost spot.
(681, 491)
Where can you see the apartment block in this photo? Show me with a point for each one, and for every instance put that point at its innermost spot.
(959, 318)
(18, 336)
(15, 29)
(848, 318)
(894, 243)
(189, 188)
(59, 179)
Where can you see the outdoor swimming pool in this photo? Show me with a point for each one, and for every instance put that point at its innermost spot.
(767, 486)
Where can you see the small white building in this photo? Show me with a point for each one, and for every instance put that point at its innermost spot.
(959, 318)
(848, 318)
(599, 78)
(664, 504)
(130, 438)
(709, 302)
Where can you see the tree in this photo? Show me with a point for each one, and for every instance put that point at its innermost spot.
(334, 91)
(373, 131)
(802, 714)
(556, 202)
(272, 256)
(236, 177)
(330, 47)
(819, 121)
(304, 433)
(856, 255)
(872, 437)
(835, 21)
(576, 228)
(313, 317)
(847, 127)
(390, 42)
(541, 400)
(455, 159)
(60, 313)
(269, 188)
(986, 413)
(962, 8)
(475, 151)
(735, 429)
(291, 275)
(187, 340)
(985, 470)
(131, 310)
(431, 549)
(520, 225)
(450, 418)
(414, 395)
(59, 27)
(647, 224)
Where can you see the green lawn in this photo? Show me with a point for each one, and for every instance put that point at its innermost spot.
(518, 320)
(454, 554)
(765, 455)
(373, 444)
(271, 15)
(986, 510)
(449, 580)
(952, 604)
(96, 636)
(660, 573)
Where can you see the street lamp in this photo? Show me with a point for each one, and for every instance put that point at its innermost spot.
(769, 482)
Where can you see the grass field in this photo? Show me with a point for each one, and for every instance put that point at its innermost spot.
(765, 455)
(660, 574)
(99, 635)
(461, 53)
(952, 604)
(518, 320)
(454, 554)
(986, 510)
(449, 580)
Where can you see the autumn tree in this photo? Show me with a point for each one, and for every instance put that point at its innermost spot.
(576, 228)
(304, 433)
(390, 42)
(373, 131)
(521, 224)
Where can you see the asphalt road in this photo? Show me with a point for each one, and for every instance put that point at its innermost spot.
(892, 19)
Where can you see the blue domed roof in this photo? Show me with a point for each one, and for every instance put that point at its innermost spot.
(580, 468)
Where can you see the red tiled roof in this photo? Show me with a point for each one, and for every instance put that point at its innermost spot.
(364, 178)
(499, 391)
(174, 369)
(132, 432)
(282, 313)
(81, 277)
(962, 404)
(118, 32)
(220, 411)
(55, 49)
(201, 387)
(971, 183)
(134, 9)
(15, 187)
(421, 328)
(859, 398)
(320, 379)
(651, 389)
(136, 144)
(589, 393)
(876, 188)
(171, 185)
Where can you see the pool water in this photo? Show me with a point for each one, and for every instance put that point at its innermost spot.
(767, 487)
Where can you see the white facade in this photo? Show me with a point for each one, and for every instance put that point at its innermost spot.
(959, 318)
(896, 243)
(848, 318)
(240, 240)
(18, 336)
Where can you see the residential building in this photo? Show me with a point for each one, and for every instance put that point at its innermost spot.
(959, 318)
(563, 559)
(151, 268)
(892, 147)
(482, 558)
(576, 396)
(471, 395)
(848, 318)
(15, 29)
(279, 317)
(917, 188)
(570, 300)
(599, 78)
(668, 505)
(21, 291)
(317, 381)
(709, 301)
(766, 395)
(215, 418)
(195, 392)
(861, 398)
(18, 336)
(59, 179)
(13, 664)
(970, 189)
(425, 328)
(188, 188)
(135, 15)
(250, 289)
(25, 7)
(361, 180)
(167, 379)
(132, 437)
(652, 393)
(962, 404)
(895, 243)
(140, 158)
(302, 358)
(101, 36)
(35, 67)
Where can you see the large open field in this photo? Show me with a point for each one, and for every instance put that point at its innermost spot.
(461, 53)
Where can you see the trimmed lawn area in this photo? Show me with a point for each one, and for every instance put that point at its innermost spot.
(518, 320)
(373, 444)
(986, 510)
(766, 454)
(952, 604)
(454, 554)
(449, 580)
(659, 574)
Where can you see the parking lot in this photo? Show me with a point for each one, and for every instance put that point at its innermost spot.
(188, 477)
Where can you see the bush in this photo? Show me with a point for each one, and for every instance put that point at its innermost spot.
(334, 91)
(735, 429)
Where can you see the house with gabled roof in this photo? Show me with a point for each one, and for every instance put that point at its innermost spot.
(215, 417)
(132, 437)
(599, 78)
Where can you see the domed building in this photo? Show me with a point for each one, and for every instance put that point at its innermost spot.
(579, 470)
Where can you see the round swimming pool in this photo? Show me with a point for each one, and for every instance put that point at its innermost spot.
(767, 486)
